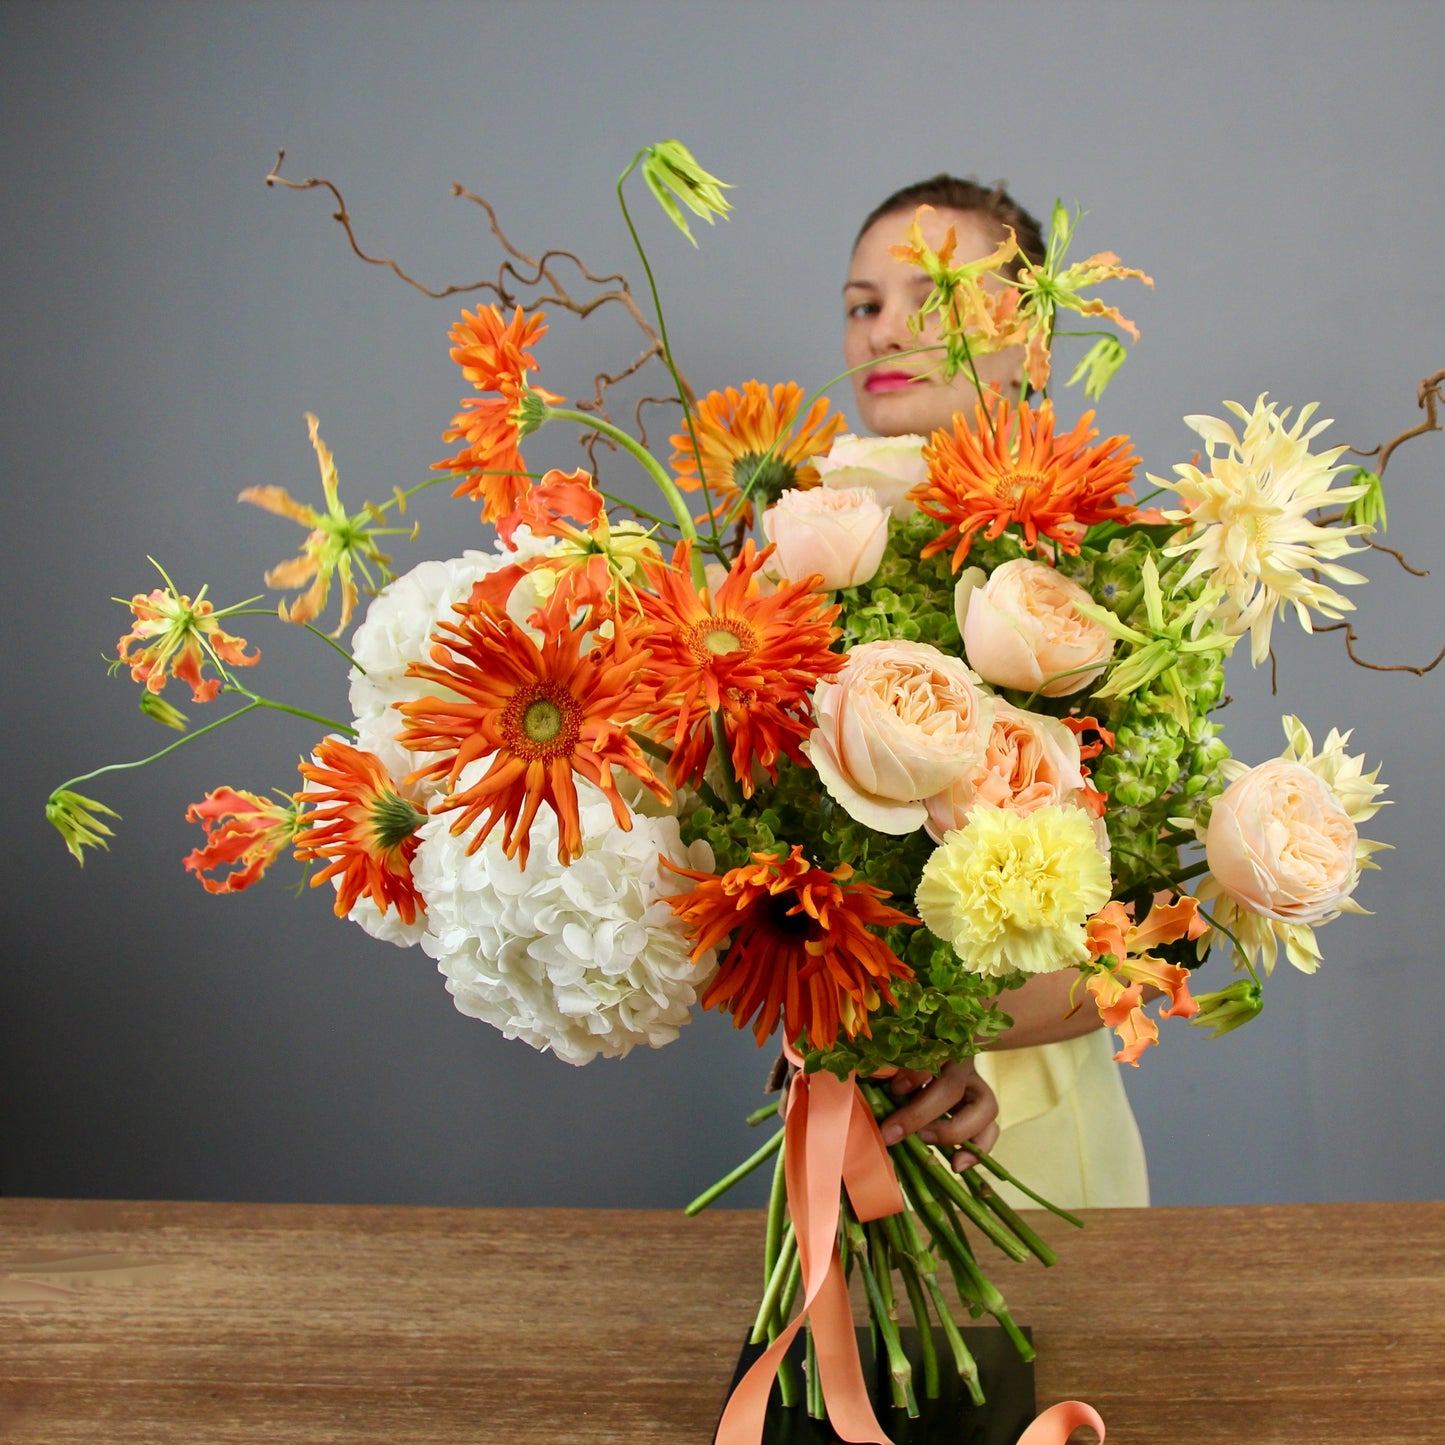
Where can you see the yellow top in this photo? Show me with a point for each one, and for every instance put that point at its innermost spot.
(1066, 1128)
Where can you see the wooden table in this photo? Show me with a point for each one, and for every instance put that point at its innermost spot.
(201, 1323)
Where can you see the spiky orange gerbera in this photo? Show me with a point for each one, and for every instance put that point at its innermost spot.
(1012, 469)
(802, 948)
(753, 437)
(752, 658)
(354, 816)
(541, 714)
(493, 356)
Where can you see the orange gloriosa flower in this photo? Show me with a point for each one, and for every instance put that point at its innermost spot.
(241, 829)
(1011, 469)
(494, 356)
(755, 659)
(179, 636)
(802, 949)
(1122, 948)
(540, 713)
(594, 564)
(753, 440)
(353, 816)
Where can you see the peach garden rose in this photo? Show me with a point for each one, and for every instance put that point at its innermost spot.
(838, 536)
(892, 466)
(1281, 845)
(1023, 627)
(901, 722)
(1030, 761)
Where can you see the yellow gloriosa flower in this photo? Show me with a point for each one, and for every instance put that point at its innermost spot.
(1248, 525)
(337, 543)
(1014, 892)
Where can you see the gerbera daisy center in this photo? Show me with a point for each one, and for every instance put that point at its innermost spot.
(542, 721)
(1017, 485)
(721, 637)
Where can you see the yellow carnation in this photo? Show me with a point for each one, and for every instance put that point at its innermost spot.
(1013, 892)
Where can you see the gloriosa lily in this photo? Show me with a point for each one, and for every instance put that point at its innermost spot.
(337, 543)
(1044, 290)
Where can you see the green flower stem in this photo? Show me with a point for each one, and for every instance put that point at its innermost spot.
(766, 1112)
(900, 1371)
(651, 466)
(634, 508)
(973, 1284)
(816, 1408)
(314, 631)
(922, 1257)
(731, 786)
(708, 1196)
(790, 1385)
(170, 748)
(315, 717)
(933, 1168)
(918, 1303)
(936, 1173)
(662, 335)
(1172, 880)
(987, 1195)
(999, 1172)
(777, 1217)
(768, 1305)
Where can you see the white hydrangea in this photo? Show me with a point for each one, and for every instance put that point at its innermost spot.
(582, 960)
(395, 632)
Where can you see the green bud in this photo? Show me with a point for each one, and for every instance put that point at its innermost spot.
(159, 710)
(1230, 1008)
(1368, 510)
(1099, 365)
(670, 169)
(76, 820)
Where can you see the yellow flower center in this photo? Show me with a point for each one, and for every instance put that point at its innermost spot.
(721, 637)
(1016, 485)
(542, 721)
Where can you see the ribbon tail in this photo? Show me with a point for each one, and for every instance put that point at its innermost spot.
(1058, 1422)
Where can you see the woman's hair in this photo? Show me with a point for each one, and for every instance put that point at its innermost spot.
(994, 202)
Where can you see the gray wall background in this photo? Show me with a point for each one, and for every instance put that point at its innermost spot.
(167, 320)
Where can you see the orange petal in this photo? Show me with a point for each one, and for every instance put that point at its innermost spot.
(280, 501)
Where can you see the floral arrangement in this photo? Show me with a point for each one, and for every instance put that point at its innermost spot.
(945, 723)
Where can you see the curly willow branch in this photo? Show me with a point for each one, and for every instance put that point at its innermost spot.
(1352, 637)
(516, 275)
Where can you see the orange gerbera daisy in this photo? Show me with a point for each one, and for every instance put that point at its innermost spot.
(752, 441)
(493, 355)
(1013, 469)
(242, 830)
(541, 714)
(802, 948)
(353, 815)
(755, 659)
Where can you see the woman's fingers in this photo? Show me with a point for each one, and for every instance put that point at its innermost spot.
(957, 1088)
(908, 1081)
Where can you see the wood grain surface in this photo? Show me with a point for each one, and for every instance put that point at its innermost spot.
(200, 1323)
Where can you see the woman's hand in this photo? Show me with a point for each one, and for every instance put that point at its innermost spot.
(957, 1091)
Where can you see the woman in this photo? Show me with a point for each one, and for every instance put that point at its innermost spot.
(1064, 1120)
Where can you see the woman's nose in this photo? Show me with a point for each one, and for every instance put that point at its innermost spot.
(890, 329)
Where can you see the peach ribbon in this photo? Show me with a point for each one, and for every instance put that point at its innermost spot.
(832, 1141)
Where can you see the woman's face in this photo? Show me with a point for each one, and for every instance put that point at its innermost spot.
(903, 394)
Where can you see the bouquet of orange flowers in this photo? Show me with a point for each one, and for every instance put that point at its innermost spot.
(946, 728)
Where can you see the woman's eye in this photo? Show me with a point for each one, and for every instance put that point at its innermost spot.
(862, 309)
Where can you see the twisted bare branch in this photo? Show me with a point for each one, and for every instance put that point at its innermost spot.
(518, 274)
(1352, 637)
